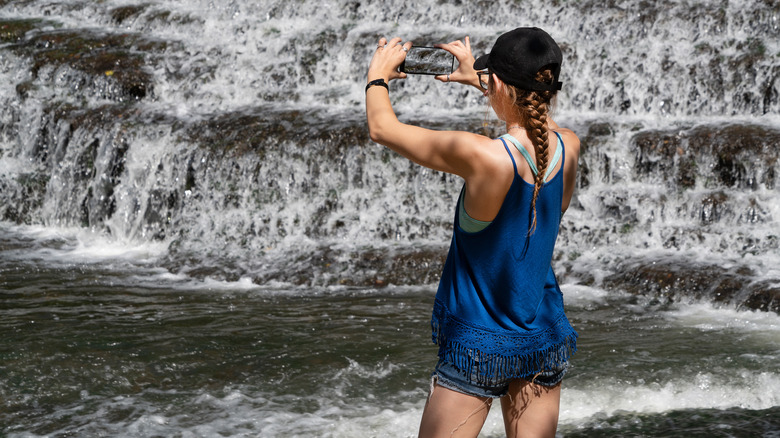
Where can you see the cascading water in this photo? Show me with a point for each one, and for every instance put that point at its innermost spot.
(237, 132)
(226, 142)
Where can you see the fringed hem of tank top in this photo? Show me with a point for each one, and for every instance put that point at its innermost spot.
(491, 354)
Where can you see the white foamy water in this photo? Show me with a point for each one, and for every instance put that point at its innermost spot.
(722, 386)
(576, 295)
(240, 413)
(78, 245)
(705, 317)
(744, 389)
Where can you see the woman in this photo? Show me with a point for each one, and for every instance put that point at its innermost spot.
(498, 316)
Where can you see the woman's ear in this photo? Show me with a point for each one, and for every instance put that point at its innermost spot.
(498, 97)
(498, 83)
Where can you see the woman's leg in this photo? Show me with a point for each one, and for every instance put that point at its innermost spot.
(531, 410)
(450, 413)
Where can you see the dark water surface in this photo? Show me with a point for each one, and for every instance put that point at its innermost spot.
(114, 348)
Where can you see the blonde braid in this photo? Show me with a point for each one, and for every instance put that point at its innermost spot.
(534, 110)
(536, 126)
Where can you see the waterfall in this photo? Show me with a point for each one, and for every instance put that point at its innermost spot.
(234, 133)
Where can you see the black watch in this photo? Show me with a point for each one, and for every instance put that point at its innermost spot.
(379, 81)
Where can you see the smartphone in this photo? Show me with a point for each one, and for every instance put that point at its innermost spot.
(428, 61)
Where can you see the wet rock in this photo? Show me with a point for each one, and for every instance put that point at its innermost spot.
(680, 280)
(161, 16)
(656, 151)
(122, 13)
(14, 31)
(313, 52)
(744, 153)
(712, 206)
(410, 266)
(732, 156)
(764, 296)
(600, 129)
(113, 66)
(61, 120)
(370, 267)
(262, 130)
(326, 266)
(23, 89)
(161, 206)
(98, 162)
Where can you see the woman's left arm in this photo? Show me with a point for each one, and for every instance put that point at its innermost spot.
(449, 151)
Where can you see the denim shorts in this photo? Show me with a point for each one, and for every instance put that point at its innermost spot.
(452, 378)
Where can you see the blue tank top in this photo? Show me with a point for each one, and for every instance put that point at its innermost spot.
(499, 310)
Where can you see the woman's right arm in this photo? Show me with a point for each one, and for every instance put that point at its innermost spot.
(455, 152)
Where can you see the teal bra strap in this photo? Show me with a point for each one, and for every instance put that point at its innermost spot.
(530, 161)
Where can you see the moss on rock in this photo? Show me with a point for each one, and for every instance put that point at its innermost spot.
(113, 65)
(13, 31)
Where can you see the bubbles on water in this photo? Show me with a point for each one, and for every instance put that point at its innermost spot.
(745, 389)
(707, 317)
(583, 296)
(354, 368)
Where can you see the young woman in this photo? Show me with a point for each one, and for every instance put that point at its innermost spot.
(498, 316)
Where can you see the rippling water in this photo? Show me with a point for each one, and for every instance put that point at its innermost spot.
(98, 344)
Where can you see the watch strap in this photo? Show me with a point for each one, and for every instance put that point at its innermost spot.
(380, 82)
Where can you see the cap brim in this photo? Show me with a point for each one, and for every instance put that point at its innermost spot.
(481, 62)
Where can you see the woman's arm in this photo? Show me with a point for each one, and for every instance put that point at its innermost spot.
(449, 151)
(572, 145)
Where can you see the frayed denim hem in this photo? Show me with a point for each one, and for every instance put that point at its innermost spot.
(449, 377)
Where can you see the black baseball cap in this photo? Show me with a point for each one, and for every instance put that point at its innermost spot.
(519, 54)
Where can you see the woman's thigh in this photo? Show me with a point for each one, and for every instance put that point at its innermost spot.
(449, 413)
(531, 410)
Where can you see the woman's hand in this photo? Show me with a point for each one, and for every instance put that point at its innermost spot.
(387, 58)
(465, 74)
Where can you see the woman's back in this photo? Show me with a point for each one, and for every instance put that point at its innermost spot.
(487, 187)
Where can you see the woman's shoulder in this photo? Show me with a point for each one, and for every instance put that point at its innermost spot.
(492, 157)
(570, 140)
(568, 134)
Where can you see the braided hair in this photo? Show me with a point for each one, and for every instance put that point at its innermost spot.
(533, 108)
